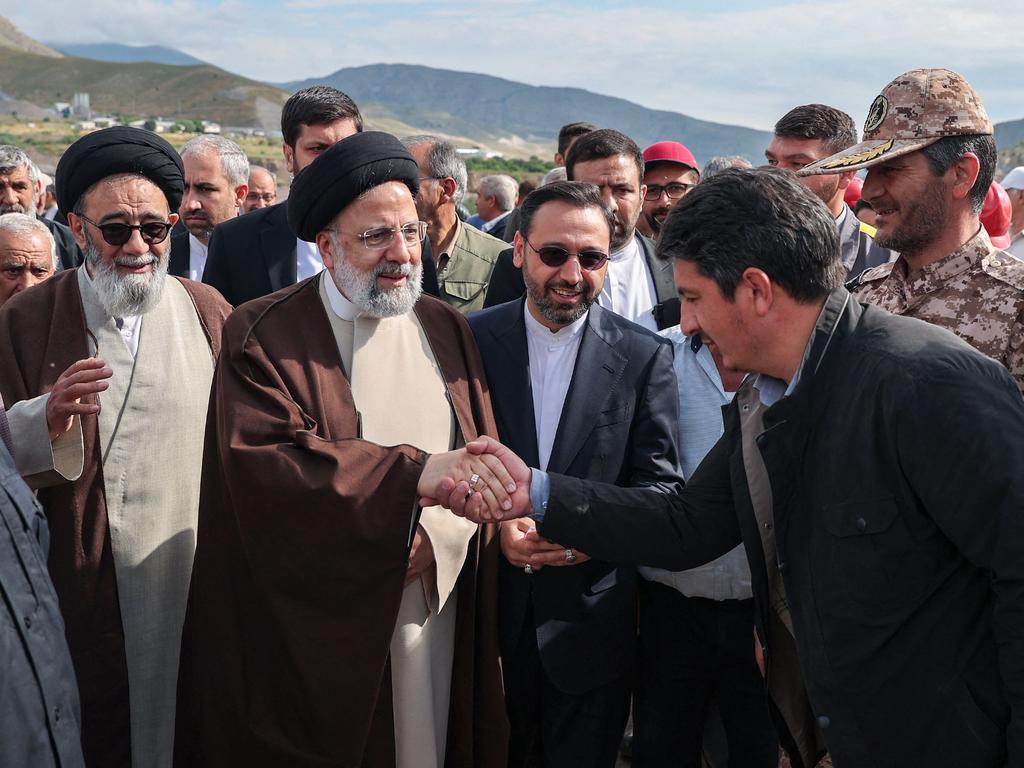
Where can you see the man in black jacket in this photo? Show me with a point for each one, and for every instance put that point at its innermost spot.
(872, 470)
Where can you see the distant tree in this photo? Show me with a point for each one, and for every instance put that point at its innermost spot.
(150, 125)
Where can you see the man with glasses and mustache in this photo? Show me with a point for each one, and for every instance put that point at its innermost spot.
(216, 184)
(326, 605)
(580, 390)
(670, 171)
(107, 369)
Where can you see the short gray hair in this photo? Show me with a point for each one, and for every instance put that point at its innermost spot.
(442, 160)
(232, 157)
(502, 188)
(12, 157)
(721, 163)
(23, 225)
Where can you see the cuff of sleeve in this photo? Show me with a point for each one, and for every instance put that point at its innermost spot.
(40, 461)
(540, 492)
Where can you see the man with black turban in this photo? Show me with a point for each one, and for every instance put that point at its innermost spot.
(108, 367)
(332, 620)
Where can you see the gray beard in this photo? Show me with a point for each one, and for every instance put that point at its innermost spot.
(362, 290)
(126, 295)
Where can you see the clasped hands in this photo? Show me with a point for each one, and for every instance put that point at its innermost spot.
(483, 482)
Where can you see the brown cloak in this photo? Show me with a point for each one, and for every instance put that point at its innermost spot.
(302, 551)
(42, 332)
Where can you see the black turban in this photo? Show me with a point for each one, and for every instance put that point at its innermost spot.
(338, 176)
(111, 151)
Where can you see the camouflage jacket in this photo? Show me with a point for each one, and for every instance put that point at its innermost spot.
(977, 292)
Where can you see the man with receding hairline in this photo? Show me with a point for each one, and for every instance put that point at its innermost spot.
(28, 254)
(262, 189)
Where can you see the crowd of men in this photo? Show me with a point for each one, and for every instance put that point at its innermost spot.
(356, 479)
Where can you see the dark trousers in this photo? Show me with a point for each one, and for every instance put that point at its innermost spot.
(554, 729)
(690, 650)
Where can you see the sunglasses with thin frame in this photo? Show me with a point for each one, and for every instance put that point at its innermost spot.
(117, 233)
(555, 256)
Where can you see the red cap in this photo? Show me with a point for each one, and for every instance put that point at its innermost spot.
(853, 191)
(670, 152)
(995, 216)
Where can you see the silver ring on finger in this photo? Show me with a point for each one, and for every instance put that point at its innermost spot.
(570, 556)
(528, 569)
(473, 480)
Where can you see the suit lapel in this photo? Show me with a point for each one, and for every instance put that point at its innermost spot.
(278, 244)
(666, 311)
(511, 390)
(599, 368)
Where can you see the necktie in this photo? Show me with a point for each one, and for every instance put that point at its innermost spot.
(5, 428)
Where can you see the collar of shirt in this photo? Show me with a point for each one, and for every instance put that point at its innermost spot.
(489, 226)
(628, 251)
(446, 252)
(128, 326)
(933, 276)
(197, 253)
(308, 261)
(564, 335)
(842, 215)
(341, 306)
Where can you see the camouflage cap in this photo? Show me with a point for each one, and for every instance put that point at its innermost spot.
(916, 109)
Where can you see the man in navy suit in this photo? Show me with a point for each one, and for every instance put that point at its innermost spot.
(582, 391)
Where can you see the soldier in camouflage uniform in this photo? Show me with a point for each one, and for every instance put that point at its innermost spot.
(930, 152)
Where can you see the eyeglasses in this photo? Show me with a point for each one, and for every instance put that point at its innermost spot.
(382, 237)
(675, 190)
(556, 256)
(116, 233)
(266, 197)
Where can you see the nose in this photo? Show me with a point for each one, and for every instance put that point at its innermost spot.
(8, 195)
(136, 246)
(609, 199)
(190, 202)
(401, 252)
(571, 271)
(688, 322)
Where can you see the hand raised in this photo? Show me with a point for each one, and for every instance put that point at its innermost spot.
(86, 377)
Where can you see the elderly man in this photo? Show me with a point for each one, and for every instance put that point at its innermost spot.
(670, 171)
(495, 199)
(262, 189)
(315, 636)
(931, 157)
(18, 180)
(880, 508)
(464, 256)
(216, 183)
(28, 254)
(108, 370)
(806, 134)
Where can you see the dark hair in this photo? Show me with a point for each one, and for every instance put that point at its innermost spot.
(603, 143)
(834, 127)
(764, 218)
(949, 149)
(316, 105)
(526, 187)
(572, 131)
(578, 194)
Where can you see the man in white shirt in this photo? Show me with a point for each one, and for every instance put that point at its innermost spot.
(1013, 183)
(216, 183)
(638, 286)
(580, 390)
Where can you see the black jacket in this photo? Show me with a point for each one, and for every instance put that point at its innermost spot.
(618, 425)
(897, 479)
(507, 283)
(69, 255)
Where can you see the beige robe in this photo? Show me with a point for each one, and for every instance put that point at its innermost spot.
(394, 376)
(151, 425)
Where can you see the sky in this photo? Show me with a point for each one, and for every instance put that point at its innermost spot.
(732, 61)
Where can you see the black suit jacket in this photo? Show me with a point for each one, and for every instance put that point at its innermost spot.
(507, 283)
(618, 425)
(898, 509)
(254, 254)
(69, 255)
(181, 250)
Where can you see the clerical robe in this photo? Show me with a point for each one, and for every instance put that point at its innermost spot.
(304, 534)
(120, 491)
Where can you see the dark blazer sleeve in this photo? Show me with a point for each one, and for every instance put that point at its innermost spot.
(646, 526)
(69, 255)
(506, 281)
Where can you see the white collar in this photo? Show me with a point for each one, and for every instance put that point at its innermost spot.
(196, 245)
(564, 335)
(626, 252)
(341, 306)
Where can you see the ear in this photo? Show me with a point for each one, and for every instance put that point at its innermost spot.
(965, 174)
(518, 247)
(757, 288)
(559, 160)
(845, 178)
(77, 227)
(289, 157)
(172, 218)
(643, 192)
(449, 186)
(326, 246)
(240, 192)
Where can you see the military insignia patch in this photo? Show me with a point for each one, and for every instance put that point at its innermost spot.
(876, 114)
(860, 157)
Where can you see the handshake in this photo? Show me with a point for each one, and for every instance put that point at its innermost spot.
(483, 482)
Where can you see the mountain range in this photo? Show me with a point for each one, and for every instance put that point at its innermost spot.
(155, 54)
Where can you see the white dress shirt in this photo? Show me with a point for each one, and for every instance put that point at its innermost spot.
(197, 253)
(628, 286)
(552, 361)
(128, 326)
(308, 261)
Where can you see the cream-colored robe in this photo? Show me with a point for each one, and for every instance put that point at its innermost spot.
(401, 397)
(151, 422)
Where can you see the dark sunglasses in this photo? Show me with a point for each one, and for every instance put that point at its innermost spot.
(556, 256)
(116, 233)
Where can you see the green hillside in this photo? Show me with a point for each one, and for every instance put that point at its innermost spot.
(197, 92)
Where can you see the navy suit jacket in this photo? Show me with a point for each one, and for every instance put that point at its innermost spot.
(618, 425)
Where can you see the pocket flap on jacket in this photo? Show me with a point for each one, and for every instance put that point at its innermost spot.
(860, 518)
(463, 289)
